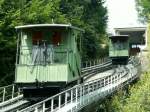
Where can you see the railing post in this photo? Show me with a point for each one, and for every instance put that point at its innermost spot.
(76, 97)
(107, 80)
(86, 64)
(80, 95)
(93, 86)
(36, 109)
(65, 98)
(104, 82)
(52, 104)
(4, 92)
(83, 94)
(97, 84)
(76, 94)
(71, 96)
(120, 77)
(117, 80)
(111, 83)
(13, 88)
(18, 91)
(97, 87)
(43, 107)
(88, 91)
(59, 103)
(90, 63)
(111, 80)
(114, 80)
(92, 98)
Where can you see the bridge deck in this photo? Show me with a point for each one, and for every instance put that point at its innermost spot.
(95, 88)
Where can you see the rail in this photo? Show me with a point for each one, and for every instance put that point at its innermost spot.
(9, 92)
(94, 62)
(81, 95)
(96, 66)
(11, 96)
(14, 104)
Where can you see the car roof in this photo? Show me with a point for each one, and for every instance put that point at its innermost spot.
(31, 26)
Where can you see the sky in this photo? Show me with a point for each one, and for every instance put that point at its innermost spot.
(122, 13)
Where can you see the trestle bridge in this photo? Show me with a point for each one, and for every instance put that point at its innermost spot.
(100, 81)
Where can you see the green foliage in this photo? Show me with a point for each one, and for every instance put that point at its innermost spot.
(42, 11)
(143, 7)
(8, 20)
(90, 15)
(136, 99)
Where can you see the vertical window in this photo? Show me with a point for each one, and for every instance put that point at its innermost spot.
(36, 37)
(56, 38)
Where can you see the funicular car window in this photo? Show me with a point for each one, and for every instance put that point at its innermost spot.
(46, 47)
(119, 44)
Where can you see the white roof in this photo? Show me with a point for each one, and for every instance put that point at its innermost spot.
(116, 36)
(119, 36)
(48, 25)
(131, 29)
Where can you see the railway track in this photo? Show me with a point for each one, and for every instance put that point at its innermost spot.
(11, 99)
(118, 78)
(18, 103)
(91, 71)
(14, 105)
(95, 67)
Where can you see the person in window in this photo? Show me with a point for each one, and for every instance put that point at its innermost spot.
(56, 38)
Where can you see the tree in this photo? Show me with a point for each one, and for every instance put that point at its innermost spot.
(42, 11)
(8, 20)
(90, 15)
(143, 7)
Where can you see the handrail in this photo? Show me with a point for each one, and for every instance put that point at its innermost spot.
(9, 92)
(75, 97)
(94, 62)
(96, 66)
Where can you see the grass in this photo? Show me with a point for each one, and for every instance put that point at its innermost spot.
(134, 99)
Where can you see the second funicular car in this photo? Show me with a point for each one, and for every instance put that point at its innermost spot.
(119, 49)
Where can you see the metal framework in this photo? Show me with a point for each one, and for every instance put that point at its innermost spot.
(77, 97)
(11, 93)
(74, 99)
(8, 92)
(8, 96)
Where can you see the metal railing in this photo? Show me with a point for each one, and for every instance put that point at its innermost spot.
(9, 92)
(97, 65)
(94, 62)
(81, 95)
